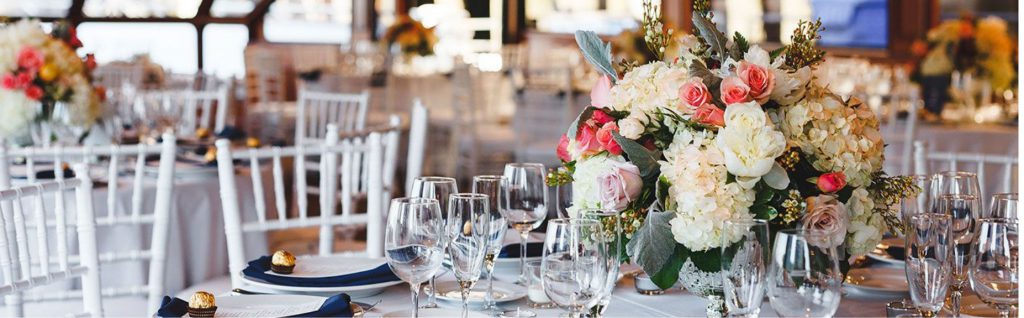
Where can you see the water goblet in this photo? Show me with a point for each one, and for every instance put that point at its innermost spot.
(804, 278)
(744, 266)
(573, 270)
(468, 229)
(994, 268)
(964, 210)
(493, 187)
(929, 261)
(1003, 206)
(412, 242)
(524, 204)
(611, 229)
(438, 188)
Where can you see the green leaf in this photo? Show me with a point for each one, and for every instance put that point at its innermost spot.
(739, 46)
(763, 196)
(652, 245)
(776, 53)
(764, 211)
(668, 275)
(708, 260)
(643, 158)
(714, 38)
(698, 69)
(598, 53)
(575, 127)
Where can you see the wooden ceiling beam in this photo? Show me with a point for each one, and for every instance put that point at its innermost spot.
(236, 20)
(258, 11)
(204, 8)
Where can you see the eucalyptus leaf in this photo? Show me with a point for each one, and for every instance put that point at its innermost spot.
(575, 127)
(714, 38)
(643, 158)
(598, 53)
(653, 245)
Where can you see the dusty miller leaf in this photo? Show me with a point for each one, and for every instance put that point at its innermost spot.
(640, 156)
(714, 38)
(652, 245)
(598, 53)
(575, 127)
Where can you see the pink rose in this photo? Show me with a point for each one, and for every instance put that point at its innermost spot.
(831, 182)
(759, 79)
(29, 58)
(586, 142)
(734, 91)
(23, 80)
(710, 114)
(619, 186)
(694, 93)
(34, 92)
(601, 93)
(827, 215)
(607, 141)
(8, 81)
(601, 118)
(563, 149)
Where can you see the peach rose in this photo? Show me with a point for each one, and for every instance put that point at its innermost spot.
(606, 140)
(759, 79)
(619, 186)
(828, 215)
(710, 114)
(694, 94)
(563, 149)
(735, 91)
(831, 182)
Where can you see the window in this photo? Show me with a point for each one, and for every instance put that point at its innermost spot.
(847, 23)
(34, 8)
(142, 9)
(232, 8)
(567, 16)
(309, 21)
(171, 45)
(224, 49)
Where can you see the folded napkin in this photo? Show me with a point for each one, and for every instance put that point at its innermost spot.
(257, 269)
(533, 249)
(335, 306)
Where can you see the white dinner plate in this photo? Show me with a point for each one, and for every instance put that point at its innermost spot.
(434, 312)
(880, 252)
(325, 266)
(448, 291)
(972, 307)
(874, 280)
(267, 305)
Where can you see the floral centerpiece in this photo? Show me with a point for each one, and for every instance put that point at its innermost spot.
(983, 47)
(411, 37)
(41, 77)
(728, 131)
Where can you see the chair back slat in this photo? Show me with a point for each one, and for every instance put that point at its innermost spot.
(112, 186)
(924, 159)
(257, 186)
(140, 166)
(21, 238)
(279, 198)
(316, 110)
(42, 243)
(417, 144)
(301, 196)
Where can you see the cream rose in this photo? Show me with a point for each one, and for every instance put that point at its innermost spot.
(631, 127)
(826, 214)
(619, 185)
(749, 143)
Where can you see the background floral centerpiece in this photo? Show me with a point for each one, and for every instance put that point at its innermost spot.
(727, 131)
(411, 37)
(43, 80)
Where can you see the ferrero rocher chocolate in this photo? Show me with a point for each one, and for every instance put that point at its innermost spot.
(210, 155)
(202, 304)
(202, 133)
(282, 262)
(252, 142)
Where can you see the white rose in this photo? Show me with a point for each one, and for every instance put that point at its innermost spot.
(749, 144)
(631, 127)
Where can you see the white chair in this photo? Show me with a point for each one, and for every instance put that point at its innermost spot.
(417, 144)
(544, 107)
(117, 75)
(26, 270)
(330, 153)
(316, 110)
(118, 157)
(926, 162)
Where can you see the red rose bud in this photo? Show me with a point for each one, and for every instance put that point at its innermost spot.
(563, 149)
(607, 140)
(831, 182)
(8, 81)
(601, 117)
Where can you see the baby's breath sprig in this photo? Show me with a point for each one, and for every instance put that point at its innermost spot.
(655, 35)
(793, 207)
(802, 52)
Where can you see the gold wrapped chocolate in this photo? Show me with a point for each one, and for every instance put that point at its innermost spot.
(202, 133)
(202, 300)
(282, 262)
(211, 154)
(252, 142)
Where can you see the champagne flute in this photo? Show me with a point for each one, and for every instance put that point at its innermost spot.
(493, 187)
(573, 270)
(1003, 206)
(929, 260)
(804, 278)
(412, 242)
(963, 210)
(994, 268)
(611, 230)
(437, 188)
(744, 266)
(524, 204)
(468, 229)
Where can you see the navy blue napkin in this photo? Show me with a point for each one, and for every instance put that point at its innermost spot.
(257, 269)
(335, 306)
(533, 249)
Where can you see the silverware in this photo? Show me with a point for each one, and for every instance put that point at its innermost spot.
(246, 292)
(368, 307)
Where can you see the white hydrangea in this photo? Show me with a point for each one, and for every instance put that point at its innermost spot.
(647, 90)
(16, 111)
(585, 188)
(837, 136)
(703, 199)
(866, 228)
(15, 36)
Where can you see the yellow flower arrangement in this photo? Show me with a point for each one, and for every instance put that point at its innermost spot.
(411, 36)
(966, 45)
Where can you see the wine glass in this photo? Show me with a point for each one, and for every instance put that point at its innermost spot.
(524, 204)
(952, 182)
(611, 229)
(963, 210)
(929, 261)
(493, 187)
(438, 188)
(744, 266)
(993, 270)
(573, 270)
(412, 242)
(1003, 206)
(468, 230)
(804, 278)
(563, 199)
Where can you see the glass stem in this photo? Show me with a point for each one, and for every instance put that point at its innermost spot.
(430, 299)
(954, 302)
(415, 299)
(465, 301)
(489, 297)
(524, 235)
(1004, 313)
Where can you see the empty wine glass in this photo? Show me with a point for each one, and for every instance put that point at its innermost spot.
(493, 187)
(929, 260)
(563, 199)
(438, 188)
(1003, 206)
(804, 278)
(963, 210)
(611, 229)
(524, 204)
(952, 183)
(993, 270)
(744, 266)
(468, 229)
(412, 242)
(573, 270)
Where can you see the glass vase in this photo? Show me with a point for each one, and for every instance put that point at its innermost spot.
(707, 285)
